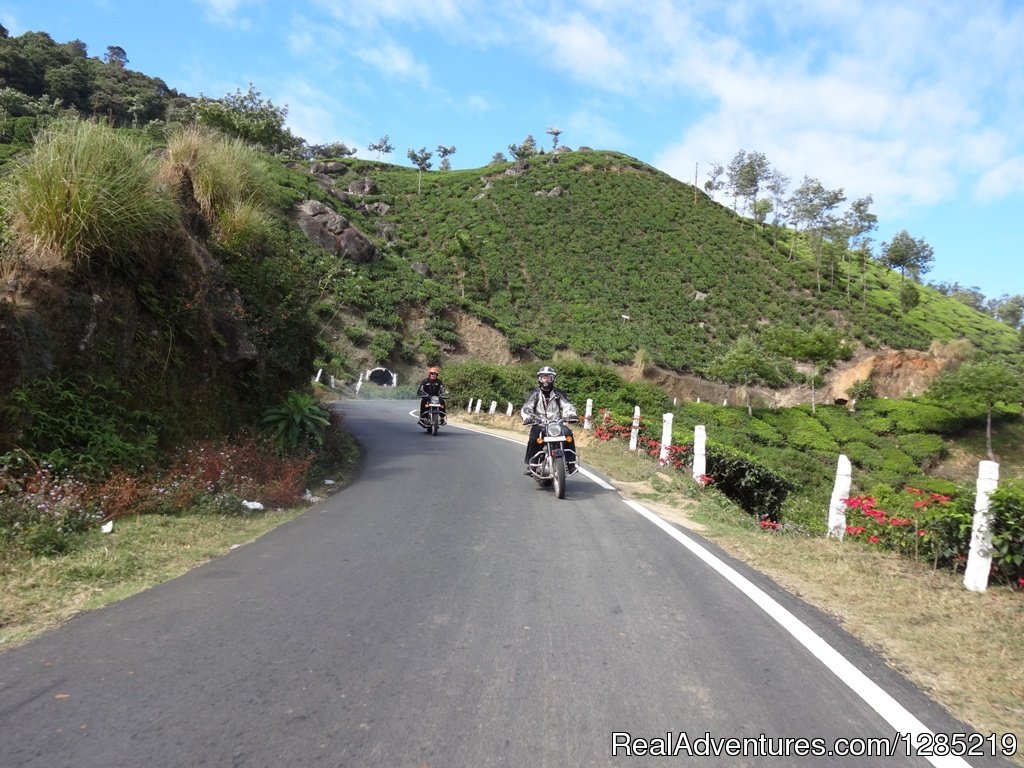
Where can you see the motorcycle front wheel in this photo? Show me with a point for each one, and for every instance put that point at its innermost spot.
(558, 470)
(434, 424)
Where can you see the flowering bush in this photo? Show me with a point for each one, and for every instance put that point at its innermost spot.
(42, 511)
(678, 456)
(923, 525)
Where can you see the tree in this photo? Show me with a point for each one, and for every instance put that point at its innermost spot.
(1008, 309)
(747, 173)
(382, 146)
(554, 133)
(444, 153)
(421, 160)
(714, 182)
(859, 221)
(249, 117)
(812, 205)
(525, 150)
(821, 346)
(746, 363)
(498, 157)
(905, 253)
(985, 383)
(331, 149)
(116, 56)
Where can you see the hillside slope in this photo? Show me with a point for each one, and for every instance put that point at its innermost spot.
(596, 253)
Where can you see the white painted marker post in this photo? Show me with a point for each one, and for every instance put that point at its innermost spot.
(700, 441)
(979, 559)
(666, 438)
(636, 428)
(840, 493)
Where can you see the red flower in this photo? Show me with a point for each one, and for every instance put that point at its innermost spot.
(855, 530)
(873, 539)
(913, 490)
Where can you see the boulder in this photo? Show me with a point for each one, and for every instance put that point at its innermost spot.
(334, 233)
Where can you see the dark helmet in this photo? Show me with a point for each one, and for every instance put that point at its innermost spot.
(546, 378)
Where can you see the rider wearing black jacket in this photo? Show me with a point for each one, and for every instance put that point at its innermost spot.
(429, 387)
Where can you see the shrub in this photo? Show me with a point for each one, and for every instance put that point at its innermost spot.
(83, 426)
(757, 489)
(296, 423)
(1007, 506)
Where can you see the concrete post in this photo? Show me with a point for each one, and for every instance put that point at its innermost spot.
(666, 438)
(634, 433)
(700, 442)
(840, 493)
(979, 559)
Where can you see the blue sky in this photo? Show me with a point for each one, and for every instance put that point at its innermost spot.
(919, 103)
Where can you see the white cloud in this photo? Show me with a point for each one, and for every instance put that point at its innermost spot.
(394, 60)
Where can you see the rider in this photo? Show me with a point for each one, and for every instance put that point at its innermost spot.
(547, 402)
(430, 386)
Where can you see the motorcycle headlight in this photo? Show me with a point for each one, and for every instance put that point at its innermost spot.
(554, 430)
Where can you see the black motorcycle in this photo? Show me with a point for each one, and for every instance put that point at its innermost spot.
(551, 464)
(434, 416)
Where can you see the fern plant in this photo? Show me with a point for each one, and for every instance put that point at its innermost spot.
(296, 422)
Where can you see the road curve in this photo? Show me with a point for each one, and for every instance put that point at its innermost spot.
(444, 611)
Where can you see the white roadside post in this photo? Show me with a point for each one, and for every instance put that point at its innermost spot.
(359, 383)
(469, 408)
(636, 428)
(319, 373)
(493, 408)
(588, 413)
(840, 493)
(479, 403)
(700, 442)
(509, 411)
(979, 559)
(666, 438)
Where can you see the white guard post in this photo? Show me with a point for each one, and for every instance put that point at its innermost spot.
(840, 493)
(700, 460)
(359, 383)
(509, 411)
(469, 408)
(479, 402)
(979, 559)
(666, 438)
(636, 428)
(493, 408)
(588, 413)
(319, 373)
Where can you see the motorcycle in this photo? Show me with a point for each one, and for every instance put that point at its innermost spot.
(551, 464)
(435, 417)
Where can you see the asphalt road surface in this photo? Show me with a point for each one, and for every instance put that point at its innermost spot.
(445, 611)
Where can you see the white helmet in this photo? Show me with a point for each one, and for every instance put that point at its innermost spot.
(546, 378)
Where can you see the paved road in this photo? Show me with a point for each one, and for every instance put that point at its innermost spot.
(444, 611)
